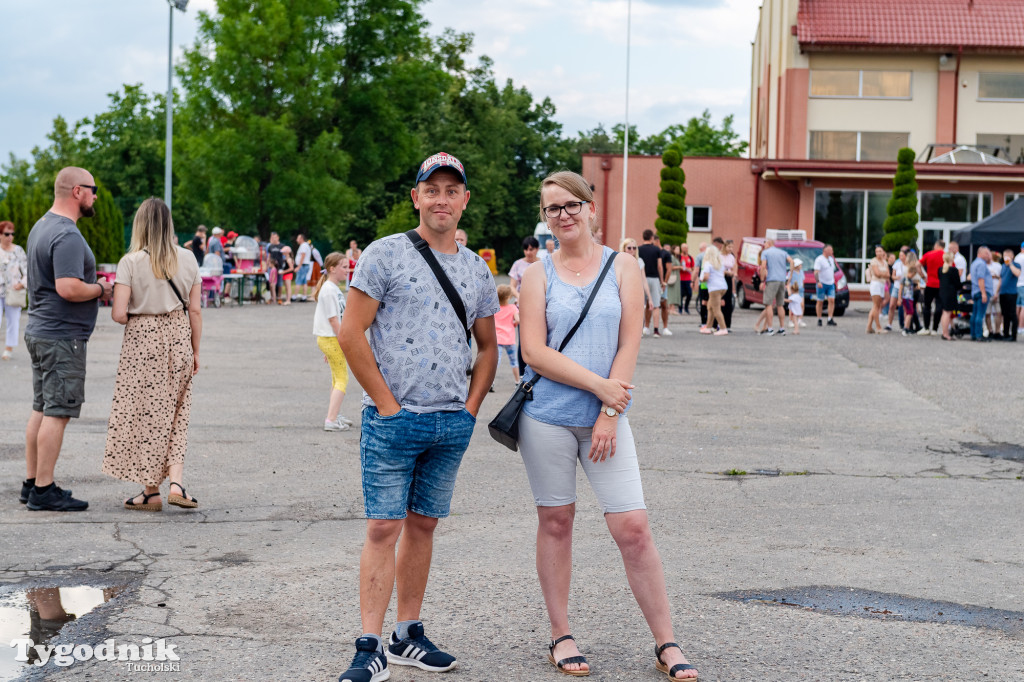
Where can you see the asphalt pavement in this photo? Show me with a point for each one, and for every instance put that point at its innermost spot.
(811, 496)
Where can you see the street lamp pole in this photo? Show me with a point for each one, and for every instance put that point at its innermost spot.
(172, 5)
(625, 143)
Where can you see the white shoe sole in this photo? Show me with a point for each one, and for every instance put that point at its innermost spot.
(402, 660)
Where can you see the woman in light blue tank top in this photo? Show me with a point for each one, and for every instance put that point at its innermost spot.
(579, 415)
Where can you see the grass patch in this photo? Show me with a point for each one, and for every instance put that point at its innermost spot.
(735, 472)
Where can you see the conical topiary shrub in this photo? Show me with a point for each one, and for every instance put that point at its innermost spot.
(901, 225)
(671, 222)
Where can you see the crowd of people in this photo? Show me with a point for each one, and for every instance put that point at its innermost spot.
(418, 417)
(289, 273)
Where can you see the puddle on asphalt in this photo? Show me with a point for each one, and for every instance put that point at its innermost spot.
(998, 450)
(39, 614)
(846, 601)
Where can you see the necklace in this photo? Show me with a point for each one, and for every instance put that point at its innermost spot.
(572, 269)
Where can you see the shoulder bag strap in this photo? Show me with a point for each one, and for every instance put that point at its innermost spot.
(583, 314)
(184, 305)
(446, 284)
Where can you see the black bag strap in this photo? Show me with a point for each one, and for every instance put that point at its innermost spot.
(184, 306)
(586, 308)
(446, 284)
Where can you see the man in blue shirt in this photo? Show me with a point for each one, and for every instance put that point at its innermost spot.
(775, 263)
(982, 289)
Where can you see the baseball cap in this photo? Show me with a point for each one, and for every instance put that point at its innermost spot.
(217, 230)
(232, 234)
(1022, 246)
(440, 160)
(797, 261)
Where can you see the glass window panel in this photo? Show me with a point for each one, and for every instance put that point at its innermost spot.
(1009, 147)
(877, 214)
(1001, 86)
(839, 221)
(929, 237)
(700, 217)
(840, 146)
(885, 84)
(882, 146)
(825, 83)
(854, 271)
(986, 205)
(948, 208)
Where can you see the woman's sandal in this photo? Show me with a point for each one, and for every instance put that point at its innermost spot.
(566, 661)
(181, 500)
(145, 505)
(678, 667)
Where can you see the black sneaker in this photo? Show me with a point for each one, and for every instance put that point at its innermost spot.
(832, 323)
(782, 332)
(55, 499)
(419, 651)
(26, 488)
(819, 321)
(369, 664)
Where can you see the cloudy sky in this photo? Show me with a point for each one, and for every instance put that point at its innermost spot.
(62, 57)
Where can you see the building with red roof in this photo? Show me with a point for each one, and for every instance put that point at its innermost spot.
(837, 88)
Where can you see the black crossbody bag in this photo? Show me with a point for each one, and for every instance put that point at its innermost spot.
(504, 428)
(446, 284)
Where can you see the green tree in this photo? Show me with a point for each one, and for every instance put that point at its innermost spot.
(700, 137)
(259, 151)
(901, 224)
(671, 221)
(104, 231)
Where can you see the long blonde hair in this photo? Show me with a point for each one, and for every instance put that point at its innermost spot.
(333, 258)
(713, 257)
(629, 241)
(153, 232)
(947, 261)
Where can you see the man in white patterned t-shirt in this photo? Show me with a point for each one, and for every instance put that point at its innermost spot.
(418, 413)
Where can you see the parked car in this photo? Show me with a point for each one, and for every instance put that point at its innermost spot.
(749, 288)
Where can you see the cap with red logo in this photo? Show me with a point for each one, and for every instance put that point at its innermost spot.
(437, 161)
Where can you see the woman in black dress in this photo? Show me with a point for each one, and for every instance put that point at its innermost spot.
(949, 284)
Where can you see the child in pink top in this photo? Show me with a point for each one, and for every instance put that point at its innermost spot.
(505, 322)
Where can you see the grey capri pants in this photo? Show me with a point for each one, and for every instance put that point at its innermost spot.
(550, 453)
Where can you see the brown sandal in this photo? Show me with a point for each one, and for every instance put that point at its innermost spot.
(181, 500)
(566, 661)
(677, 668)
(145, 505)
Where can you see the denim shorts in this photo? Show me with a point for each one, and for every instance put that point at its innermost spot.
(1020, 297)
(302, 275)
(58, 375)
(824, 291)
(409, 461)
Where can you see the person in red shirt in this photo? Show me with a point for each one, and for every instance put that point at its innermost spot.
(685, 278)
(932, 263)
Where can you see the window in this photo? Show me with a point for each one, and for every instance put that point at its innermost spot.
(852, 222)
(853, 146)
(860, 84)
(943, 207)
(699, 218)
(1007, 146)
(1001, 86)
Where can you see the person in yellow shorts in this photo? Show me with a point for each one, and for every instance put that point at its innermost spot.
(330, 305)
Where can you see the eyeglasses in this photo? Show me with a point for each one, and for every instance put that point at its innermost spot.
(572, 208)
(94, 188)
(7, 234)
(630, 248)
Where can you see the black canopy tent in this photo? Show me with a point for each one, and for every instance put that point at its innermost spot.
(1002, 229)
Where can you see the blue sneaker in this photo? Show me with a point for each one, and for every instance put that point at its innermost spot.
(419, 651)
(369, 664)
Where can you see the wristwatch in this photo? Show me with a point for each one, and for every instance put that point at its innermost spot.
(610, 411)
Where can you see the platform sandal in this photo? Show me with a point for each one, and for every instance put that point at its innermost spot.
(566, 661)
(145, 505)
(181, 500)
(678, 667)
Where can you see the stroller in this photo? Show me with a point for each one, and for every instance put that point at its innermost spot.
(960, 325)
